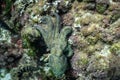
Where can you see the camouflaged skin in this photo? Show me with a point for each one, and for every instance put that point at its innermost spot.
(56, 41)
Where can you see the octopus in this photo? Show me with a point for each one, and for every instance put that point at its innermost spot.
(57, 43)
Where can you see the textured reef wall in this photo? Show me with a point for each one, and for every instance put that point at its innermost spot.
(60, 40)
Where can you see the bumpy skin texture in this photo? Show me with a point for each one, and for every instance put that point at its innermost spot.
(56, 41)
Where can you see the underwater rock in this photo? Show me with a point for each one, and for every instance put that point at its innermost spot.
(10, 55)
(115, 16)
(115, 48)
(114, 6)
(115, 24)
(102, 5)
(92, 29)
(117, 33)
(26, 69)
(67, 19)
(87, 18)
(4, 74)
(99, 5)
(107, 37)
(116, 0)
(10, 50)
(90, 6)
(29, 36)
(64, 6)
(89, 0)
(79, 61)
(5, 36)
(30, 33)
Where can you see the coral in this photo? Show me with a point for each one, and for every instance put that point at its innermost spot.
(56, 42)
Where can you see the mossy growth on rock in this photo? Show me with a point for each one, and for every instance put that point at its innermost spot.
(29, 35)
(115, 48)
(115, 16)
(79, 61)
(92, 39)
(98, 62)
(101, 8)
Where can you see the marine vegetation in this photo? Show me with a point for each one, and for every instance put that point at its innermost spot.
(29, 35)
(56, 41)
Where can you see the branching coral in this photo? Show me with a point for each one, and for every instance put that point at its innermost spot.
(56, 41)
